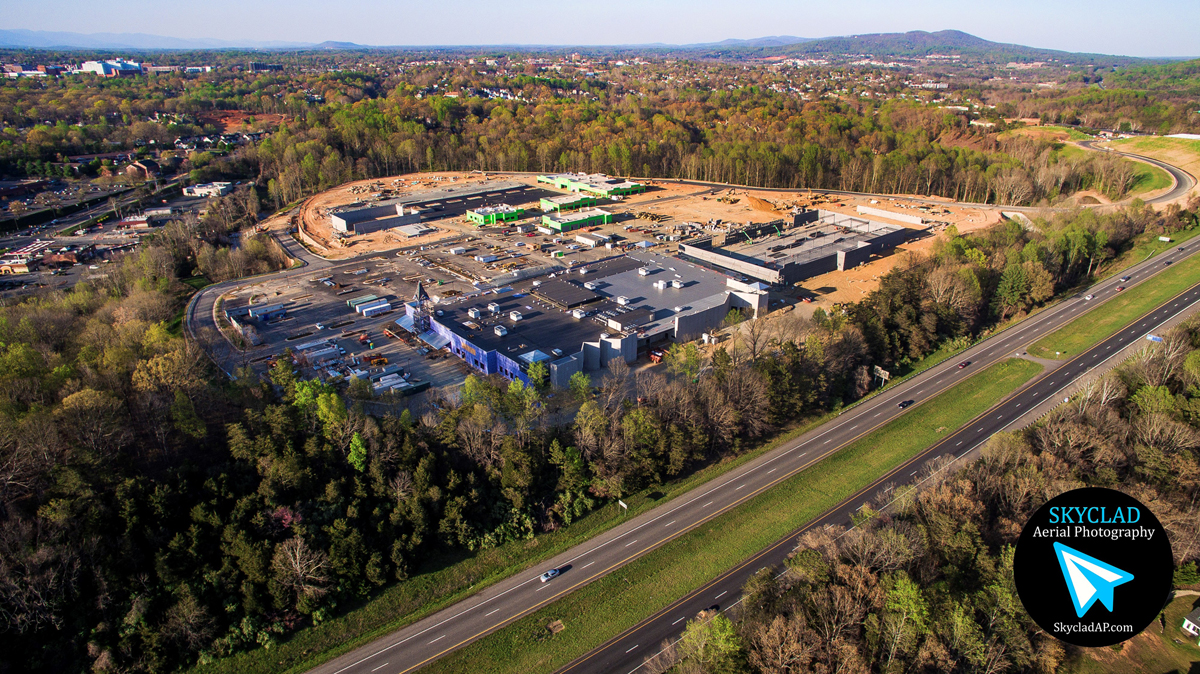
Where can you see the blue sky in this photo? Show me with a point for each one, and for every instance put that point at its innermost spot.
(1142, 28)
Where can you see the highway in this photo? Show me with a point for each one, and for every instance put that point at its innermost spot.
(1184, 181)
(626, 653)
(496, 606)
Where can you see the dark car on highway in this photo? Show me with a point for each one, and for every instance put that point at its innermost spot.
(904, 403)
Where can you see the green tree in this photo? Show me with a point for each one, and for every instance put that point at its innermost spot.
(358, 453)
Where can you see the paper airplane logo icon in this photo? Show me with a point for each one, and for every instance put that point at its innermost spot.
(1088, 578)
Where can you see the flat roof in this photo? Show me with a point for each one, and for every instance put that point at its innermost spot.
(829, 234)
(543, 327)
(569, 198)
(488, 210)
(577, 215)
(564, 294)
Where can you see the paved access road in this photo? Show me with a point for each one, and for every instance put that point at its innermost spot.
(493, 607)
(1184, 181)
(626, 653)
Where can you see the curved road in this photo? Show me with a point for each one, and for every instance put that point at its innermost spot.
(1184, 181)
(494, 607)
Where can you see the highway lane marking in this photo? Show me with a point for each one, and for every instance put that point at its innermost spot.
(631, 542)
(721, 595)
(739, 487)
(380, 667)
(912, 473)
(495, 610)
(516, 587)
(438, 639)
(678, 621)
(706, 504)
(772, 471)
(586, 565)
(958, 443)
(826, 442)
(877, 414)
(669, 523)
(631, 650)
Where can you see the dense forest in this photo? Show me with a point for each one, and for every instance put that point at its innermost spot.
(850, 129)
(153, 515)
(925, 584)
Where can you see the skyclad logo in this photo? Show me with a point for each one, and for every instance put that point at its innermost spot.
(1093, 567)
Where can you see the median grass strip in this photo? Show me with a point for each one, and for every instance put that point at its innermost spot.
(601, 610)
(1095, 325)
(445, 579)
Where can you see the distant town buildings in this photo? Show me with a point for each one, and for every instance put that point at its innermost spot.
(113, 68)
(208, 190)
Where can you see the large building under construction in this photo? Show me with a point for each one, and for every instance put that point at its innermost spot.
(814, 242)
(578, 320)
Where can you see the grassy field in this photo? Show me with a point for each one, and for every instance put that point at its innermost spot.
(1178, 151)
(608, 606)
(1099, 323)
(1148, 178)
(445, 579)
(1143, 247)
(1163, 647)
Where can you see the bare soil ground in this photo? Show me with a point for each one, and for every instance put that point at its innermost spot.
(236, 120)
(678, 203)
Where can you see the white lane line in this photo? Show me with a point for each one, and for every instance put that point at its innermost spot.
(706, 504)
(721, 595)
(380, 667)
(438, 639)
(826, 442)
(678, 621)
(772, 471)
(669, 523)
(495, 610)
(632, 649)
(877, 414)
(541, 588)
(739, 487)
(912, 473)
(631, 542)
(958, 443)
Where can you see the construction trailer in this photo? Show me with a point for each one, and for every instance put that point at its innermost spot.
(355, 301)
(377, 309)
(362, 307)
(269, 312)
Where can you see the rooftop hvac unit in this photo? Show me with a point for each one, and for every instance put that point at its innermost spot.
(515, 315)
(676, 284)
(623, 300)
(644, 271)
(590, 285)
(501, 331)
(474, 312)
(493, 307)
(678, 309)
(660, 284)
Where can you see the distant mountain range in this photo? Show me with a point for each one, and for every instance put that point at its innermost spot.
(882, 45)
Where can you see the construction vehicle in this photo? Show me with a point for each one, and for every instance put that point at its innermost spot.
(377, 360)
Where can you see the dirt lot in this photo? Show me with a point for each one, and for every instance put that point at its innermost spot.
(236, 120)
(659, 212)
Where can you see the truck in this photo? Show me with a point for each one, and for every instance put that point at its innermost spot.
(355, 301)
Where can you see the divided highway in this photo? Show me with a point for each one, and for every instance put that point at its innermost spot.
(510, 599)
(626, 653)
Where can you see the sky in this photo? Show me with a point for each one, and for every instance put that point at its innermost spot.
(1143, 28)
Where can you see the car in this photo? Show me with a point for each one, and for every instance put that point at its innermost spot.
(319, 326)
(1120, 288)
(964, 364)
(1167, 263)
(1125, 279)
(904, 403)
(1180, 249)
(549, 574)
(1088, 297)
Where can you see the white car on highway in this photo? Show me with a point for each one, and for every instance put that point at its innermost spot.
(549, 574)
